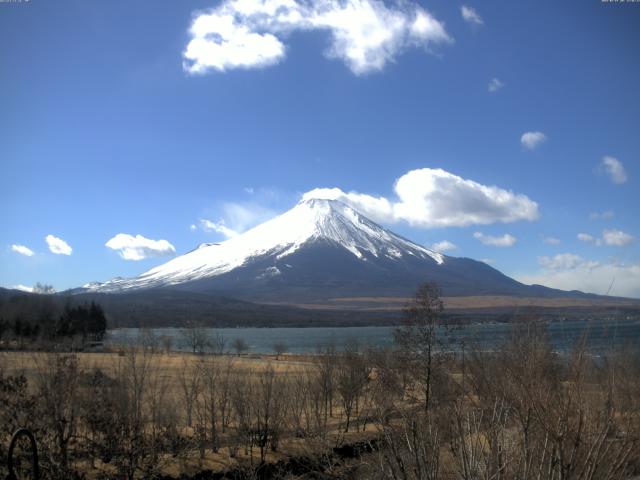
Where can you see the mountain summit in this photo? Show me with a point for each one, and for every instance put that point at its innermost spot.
(318, 250)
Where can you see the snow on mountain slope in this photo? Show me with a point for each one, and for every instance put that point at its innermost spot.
(309, 221)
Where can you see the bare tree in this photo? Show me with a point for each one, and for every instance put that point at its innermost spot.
(129, 445)
(240, 345)
(351, 377)
(196, 337)
(269, 401)
(149, 340)
(223, 391)
(410, 448)
(218, 344)
(190, 382)
(280, 348)
(167, 343)
(212, 372)
(327, 365)
(161, 425)
(417, 336)
(241, 393)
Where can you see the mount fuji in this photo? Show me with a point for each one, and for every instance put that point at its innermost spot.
(319, 250)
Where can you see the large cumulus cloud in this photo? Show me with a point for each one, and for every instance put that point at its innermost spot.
(365, 34)
(431, 198)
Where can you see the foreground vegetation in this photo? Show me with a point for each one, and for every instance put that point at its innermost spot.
(422, 411)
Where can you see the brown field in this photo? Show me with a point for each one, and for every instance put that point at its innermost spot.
(468, 303)
(170, 364)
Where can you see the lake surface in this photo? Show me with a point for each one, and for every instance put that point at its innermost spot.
(600, 335)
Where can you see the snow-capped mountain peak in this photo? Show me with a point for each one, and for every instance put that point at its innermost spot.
(311, 221)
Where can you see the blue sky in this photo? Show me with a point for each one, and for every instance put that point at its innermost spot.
(183, 121)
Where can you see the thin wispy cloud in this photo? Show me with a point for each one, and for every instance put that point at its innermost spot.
(551, 240)
(22, 250)
(218, 227)
(240, 216)
(365, 34)
(506, 240)
(532, 140)
(432, 198)
(470, 15)
(562, 261)
(569, 271)
(606, 215)
(58, 246)
(236, 218)
(443, 246)
(137, 247)
(495, 84)
(614, 169)
(585, 237)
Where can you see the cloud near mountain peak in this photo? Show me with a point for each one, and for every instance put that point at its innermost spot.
(435, 198)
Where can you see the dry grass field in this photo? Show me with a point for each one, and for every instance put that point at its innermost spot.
(171, 364)
(480, 302)
(180, 384)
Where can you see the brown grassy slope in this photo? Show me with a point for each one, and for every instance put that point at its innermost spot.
(470, 302)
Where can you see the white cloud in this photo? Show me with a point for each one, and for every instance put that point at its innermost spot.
(562, 261)
(22, 250)
(495, 84)
(139, 247)
(585, 237)
(443, 246)
(428, 198)
(488, 261)
(242, 216)
(506, 240)
(531, 140)
(571, 272)
(613, 237)
(219, 227)
(470, 15)
(606, 215)
(616, 238)
(236, 218)
(58, 245)
(551, 240)
(365, 34)
(614, 168)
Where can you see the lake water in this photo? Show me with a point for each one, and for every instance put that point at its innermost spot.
(600, 335)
